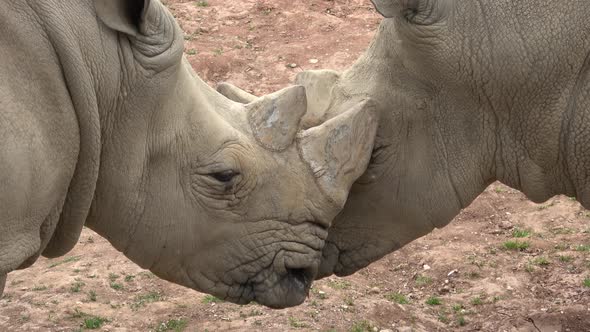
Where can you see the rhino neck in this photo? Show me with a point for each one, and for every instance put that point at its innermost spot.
(75, 35)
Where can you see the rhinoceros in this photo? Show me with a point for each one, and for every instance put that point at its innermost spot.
(468, 92)
(104, 123)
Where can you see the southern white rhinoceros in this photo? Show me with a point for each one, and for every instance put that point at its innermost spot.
(469, 92)
(103, 122)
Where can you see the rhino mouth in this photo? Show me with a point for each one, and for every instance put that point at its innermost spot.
(286, 284)
(275, 265)
(291, 289)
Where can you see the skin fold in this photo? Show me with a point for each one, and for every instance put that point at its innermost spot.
(468, 92)
(104, 123)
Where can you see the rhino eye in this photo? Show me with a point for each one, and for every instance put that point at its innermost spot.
(224, 176)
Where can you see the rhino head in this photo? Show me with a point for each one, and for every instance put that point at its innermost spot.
(226, 198)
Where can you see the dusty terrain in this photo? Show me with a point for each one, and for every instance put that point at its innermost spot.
(504, 264)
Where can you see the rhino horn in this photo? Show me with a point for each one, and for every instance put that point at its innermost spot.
(274, 119)
(235, 94)
(338, 151)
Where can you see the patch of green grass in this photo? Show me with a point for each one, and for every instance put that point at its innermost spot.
(422, 280)
(339, 284)
(252, 313)
(218, 51)
(562, 246)
(92, 296)
(321, 294)
(362, 326)
(129, 278)
(461, 321)
(434, 301)
(520, 233)
(202, 3)
(546, 206)
(191, 51)
(94, 322)
(39, 288)
(583, 247)
(541, 261)
(113, 276)
(143, 299)
(397, 298)
(176, 325)
(211, 299)
(457, 307)
(443, 318)
(565, 258)
(477, 300)
(76, 286)
(516, 245)
(116, 286)
(349, 301)
(296, 323)
(586, 282)
(65, 261)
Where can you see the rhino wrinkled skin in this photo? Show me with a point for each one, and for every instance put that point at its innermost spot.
(468, 92)
(104, 123)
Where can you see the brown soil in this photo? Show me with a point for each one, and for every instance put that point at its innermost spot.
(481, 285)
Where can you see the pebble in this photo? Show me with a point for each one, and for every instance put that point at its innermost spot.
(405, 329)
(374, 290)
(313, 61)
(426, 267)
(386, 330)
(292, 65)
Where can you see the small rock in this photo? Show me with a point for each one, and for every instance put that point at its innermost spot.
(452, 272)
(505, 224)
(321, 292)
(292, 65)
(405, 329)
(426, 267)
(374, 290)
(313, 61)
(375, 329)
(344, 306)
(386, 330)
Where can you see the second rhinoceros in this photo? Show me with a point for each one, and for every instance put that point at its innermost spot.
(104, 123)
(469, 92)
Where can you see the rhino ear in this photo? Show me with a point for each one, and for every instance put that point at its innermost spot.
(123, 15)
(387, 8)
(338, 151)
(274, 119)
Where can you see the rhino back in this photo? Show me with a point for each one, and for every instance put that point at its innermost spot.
(39, 135)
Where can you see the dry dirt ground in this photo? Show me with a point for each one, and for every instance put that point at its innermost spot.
(504, 264)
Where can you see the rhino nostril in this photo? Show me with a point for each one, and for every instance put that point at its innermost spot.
(300, 278)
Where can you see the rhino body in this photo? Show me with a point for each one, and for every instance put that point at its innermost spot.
(469, 92)
(104, 123)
